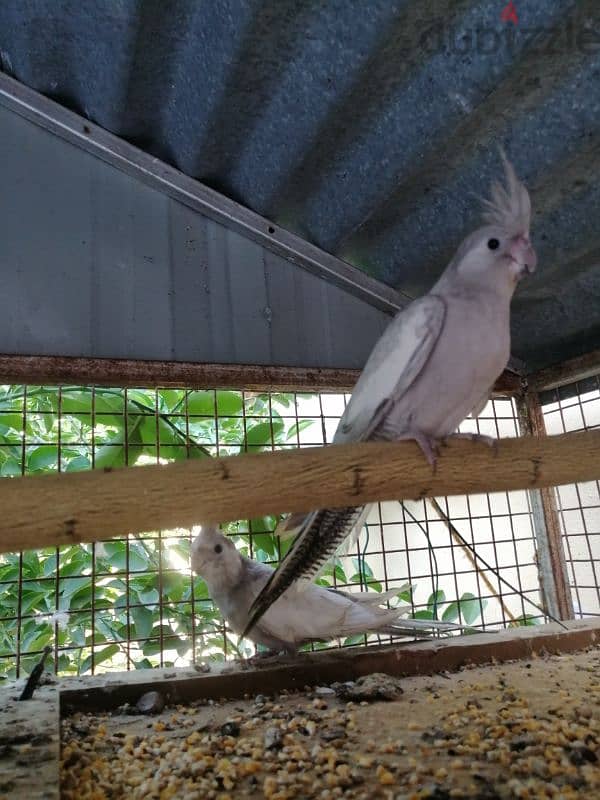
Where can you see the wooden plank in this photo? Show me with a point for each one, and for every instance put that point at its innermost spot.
(234, 680)
(29, 744)
(575, 369)
(62, 370)
(48, 510)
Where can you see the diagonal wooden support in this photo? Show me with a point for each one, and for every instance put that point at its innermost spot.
(43, 511)
(550, 551)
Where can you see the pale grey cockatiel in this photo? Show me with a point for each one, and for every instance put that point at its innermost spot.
(435, 364)
(300, 616)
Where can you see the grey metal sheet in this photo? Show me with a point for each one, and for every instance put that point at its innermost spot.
(97, 263)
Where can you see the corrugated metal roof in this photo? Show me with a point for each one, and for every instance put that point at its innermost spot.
(367, 128)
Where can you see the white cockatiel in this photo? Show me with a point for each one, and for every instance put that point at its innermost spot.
(313, 614)
(435, 364)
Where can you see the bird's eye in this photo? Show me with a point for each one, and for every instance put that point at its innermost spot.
(218, 548)
(493, 244)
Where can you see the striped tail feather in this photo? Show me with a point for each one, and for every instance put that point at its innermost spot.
(316, 541)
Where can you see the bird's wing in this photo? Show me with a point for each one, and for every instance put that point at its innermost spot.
(313, 613)
(475, 412)
(320, 614)
(395, 362)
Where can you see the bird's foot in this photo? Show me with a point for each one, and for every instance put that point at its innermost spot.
(490, 441)
(264, 657)
(429, 446)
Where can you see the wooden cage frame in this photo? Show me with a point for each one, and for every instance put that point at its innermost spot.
(361, 473)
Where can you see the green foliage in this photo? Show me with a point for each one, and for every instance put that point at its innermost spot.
(134, 603)
(525, 620)
(110, 594)
(467, 609)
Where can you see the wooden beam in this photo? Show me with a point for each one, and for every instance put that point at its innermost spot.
(575, 369)
(43, 511)
(64, 370)
(108, 691)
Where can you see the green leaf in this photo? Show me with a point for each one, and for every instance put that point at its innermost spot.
(82, 598)
(435, 600)
(11, 422)
(149, 597)
(79, 463)
(451, 612)
(42, 458)
(172, 400)
(471, 607)
(109, 456)
(297, 427)
(143, 663)
(33, 600)
(141, 400)
(37, 638)
(9, 572)
(361, 565)
(153, 648)
(79, 401)
(143, 619)
(265, 542)
(71, 563)
(68, 588)
(352, 640)
(525, 620)
(337, 571)
(10, 468)
(229, 404)
(423, 614)
(260, 435)
(201, 403)
(147, 429)
(78, 636)
(99, 656)
(113, 554)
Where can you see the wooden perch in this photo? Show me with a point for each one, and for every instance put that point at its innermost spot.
(50, 510)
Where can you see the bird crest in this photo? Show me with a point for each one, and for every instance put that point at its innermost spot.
(509, 206)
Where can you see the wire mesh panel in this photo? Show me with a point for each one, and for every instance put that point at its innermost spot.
(577, 408)
(133, 603)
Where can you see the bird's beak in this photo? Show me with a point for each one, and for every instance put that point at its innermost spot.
(521, 251)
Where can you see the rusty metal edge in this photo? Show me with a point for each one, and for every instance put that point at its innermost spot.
(335, 665)
(570, 371)
(53, 370)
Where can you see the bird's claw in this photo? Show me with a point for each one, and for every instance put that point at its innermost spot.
(265, 657)
(430, 448)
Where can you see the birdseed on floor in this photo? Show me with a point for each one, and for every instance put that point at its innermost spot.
(515, 730)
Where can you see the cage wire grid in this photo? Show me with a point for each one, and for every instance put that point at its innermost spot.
(133, 602)
(576, 407)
